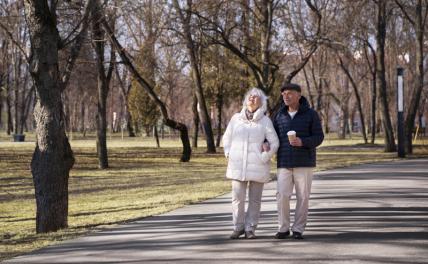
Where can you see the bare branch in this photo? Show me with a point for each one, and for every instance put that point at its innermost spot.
(403, 10)
(14, 41)
(78, 42)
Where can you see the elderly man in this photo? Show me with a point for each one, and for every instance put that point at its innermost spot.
(296, 158)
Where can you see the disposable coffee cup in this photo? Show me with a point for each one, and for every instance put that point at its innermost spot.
(291, 135)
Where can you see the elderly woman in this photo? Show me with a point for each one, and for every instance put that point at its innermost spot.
(249, 143)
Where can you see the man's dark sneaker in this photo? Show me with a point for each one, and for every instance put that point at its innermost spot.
(236, 234)
(282, 235)
(297, 235)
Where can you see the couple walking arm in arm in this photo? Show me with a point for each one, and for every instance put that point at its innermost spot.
(249, 158)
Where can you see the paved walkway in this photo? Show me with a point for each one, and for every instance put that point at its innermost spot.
(374, 213)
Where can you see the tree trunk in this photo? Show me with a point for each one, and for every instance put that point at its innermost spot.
(17, 83)
(131, 132)
(373, 90)
(343, 121)
(191, 49)
(102, 127)
(266, 7)
(416, 93)
(195, 122)
(219, 104)
(9, 107)
(82, 116)
(103, 80)
(156, 135)
(162, 131)
(2, 78)
(53, 157)
(381, 78)
(1, 108)
(326, 116)
(125, 93)
(308, 85)
(26, 109)
(357, 96)
(373, 105)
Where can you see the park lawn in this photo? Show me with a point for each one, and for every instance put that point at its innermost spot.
(142, 181)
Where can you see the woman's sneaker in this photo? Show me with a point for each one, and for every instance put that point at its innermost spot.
(236, 234)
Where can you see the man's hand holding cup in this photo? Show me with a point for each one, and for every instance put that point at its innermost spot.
(293, 139)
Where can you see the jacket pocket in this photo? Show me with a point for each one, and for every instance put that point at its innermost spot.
(259, 154)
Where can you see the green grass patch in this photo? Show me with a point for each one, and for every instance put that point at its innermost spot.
(143, 180)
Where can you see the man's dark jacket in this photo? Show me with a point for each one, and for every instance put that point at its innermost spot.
(308, 128)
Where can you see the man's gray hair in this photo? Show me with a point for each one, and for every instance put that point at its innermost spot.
(258, 92)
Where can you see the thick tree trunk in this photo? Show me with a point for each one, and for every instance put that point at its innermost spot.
(52, 158)
(381, 78)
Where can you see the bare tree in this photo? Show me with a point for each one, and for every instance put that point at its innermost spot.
(382, 18)
(103, 80)
(125, 88)
(185, 16)
(356, 89)
(416, 13)
(150, 91)
(53, 158)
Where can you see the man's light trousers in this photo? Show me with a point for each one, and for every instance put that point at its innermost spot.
(301, 179)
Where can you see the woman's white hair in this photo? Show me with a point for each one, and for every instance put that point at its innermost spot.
(259, 93)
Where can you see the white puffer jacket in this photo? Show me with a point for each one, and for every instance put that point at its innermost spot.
(242, 142)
